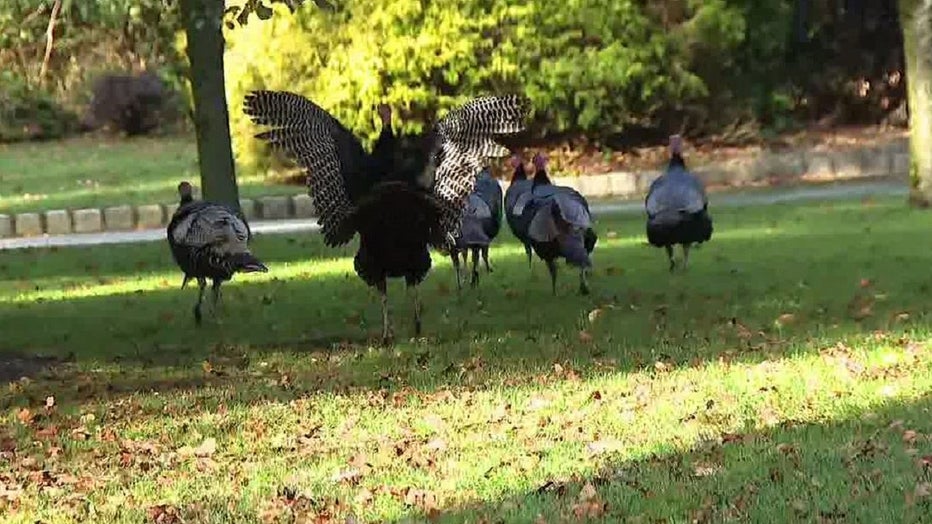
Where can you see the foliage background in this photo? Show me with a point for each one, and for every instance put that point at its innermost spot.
(613, 71)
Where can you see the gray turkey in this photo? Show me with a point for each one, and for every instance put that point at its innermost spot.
(519, 185)
(209, 241)
(677, 207)
(557, 223)
(399, 206)
(482, 219)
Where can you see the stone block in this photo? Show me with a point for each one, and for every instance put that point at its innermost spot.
(87, 220)
(275, 207)
(28, 224)
(57, 222)
(303, 206)
(6, 226)
(900, 164)
(847, 164)
(645, 179)
(876, 161)
(781, 165)
(622, 184)
(819, 165)
(150, 216)
(118, 218)
(595, 186)
(568, 181)
(899, 145)
(248, 207)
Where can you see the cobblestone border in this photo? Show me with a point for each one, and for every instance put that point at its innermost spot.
(766, 167)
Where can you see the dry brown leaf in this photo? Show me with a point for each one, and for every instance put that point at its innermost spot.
(207, 448)
(589, 504)
(350, 476)
(594, 315)
(364, 497)
(25, 416)
(585, 337)
(599, 447)
(909, 436)
(163, 514)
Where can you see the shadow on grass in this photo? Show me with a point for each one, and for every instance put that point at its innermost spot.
(869, 467)
(782, 286)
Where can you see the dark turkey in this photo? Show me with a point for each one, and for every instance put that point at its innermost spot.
(399, 206)
(677, 207)
(558, 224)
(519, 185)
(209, 241)
(482, 220)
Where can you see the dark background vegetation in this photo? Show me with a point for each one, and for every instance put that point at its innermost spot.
(617, 72)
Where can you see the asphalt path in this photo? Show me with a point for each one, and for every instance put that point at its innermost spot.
(839, 191)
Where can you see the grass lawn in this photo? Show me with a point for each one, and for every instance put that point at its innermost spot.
(96, 172)
(784, 378)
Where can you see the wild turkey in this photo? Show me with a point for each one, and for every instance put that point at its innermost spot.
(520, 185)
(677, 207)
(482, 220)
(209, 241)
(558, 224)
(398, 211)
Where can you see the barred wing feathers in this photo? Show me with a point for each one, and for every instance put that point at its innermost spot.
(464, 137)
(333, 157)
(677, 190)
(210, 226)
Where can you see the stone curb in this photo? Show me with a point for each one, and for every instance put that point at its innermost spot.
(767, 167)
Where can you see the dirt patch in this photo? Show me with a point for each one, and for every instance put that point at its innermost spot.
(13, 366)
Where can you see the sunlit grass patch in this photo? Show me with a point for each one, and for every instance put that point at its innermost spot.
(96, 172)
(784, 376)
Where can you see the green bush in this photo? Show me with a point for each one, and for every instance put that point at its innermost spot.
(594, 66)
(27, 113)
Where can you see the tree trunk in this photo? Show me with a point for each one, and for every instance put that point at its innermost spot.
(203, 21)
(916, 21)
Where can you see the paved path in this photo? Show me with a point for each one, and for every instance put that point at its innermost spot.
(261, 227)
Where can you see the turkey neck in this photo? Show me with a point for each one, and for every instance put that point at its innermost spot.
(676, 160)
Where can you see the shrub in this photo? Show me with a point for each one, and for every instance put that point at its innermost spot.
(591, 65)
(128, 103)
(28, 113)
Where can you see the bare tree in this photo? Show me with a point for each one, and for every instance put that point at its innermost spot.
(203, 21)
(916, 23)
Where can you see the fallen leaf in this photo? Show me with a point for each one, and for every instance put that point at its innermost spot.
(785, 319)
(364, 497)
(865, 282)
(604, 446)
(25, 416)
(207, 448)
(49, 402)
(589, 504)
(49, 432)
(585, 337)
(909, 436)
(163, 514)
(350, 476)
(594, 314)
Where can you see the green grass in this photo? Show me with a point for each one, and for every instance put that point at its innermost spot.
(95, 172)
(784, 378)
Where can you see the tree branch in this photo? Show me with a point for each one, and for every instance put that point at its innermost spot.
(49, 40)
